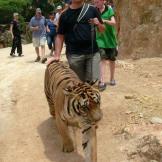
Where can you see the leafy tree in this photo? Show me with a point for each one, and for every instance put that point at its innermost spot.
(26, 8)
(8, 7)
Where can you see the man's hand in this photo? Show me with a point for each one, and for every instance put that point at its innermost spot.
(54, 58)
(48, 30)
(94, 21)
(36, 28)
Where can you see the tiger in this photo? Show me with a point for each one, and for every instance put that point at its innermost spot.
(72, 103)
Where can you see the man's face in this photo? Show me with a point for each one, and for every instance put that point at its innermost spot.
(16, 17)
(98, 3)
(38, 14)
(59, 10)
(51, 17)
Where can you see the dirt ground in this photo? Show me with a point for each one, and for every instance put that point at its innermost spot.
(28, 133)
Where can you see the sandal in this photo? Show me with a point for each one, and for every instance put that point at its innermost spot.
(112, 83)
(102, 86)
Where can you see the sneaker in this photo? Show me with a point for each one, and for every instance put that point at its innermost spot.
(12, 54)
(112, 82)
(44, 60)
(102, 86)
(20, 55)
(37, 59)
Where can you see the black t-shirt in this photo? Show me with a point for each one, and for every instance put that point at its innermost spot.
(16, 28)
(78, 36)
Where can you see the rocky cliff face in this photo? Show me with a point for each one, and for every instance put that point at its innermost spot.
(140, 32)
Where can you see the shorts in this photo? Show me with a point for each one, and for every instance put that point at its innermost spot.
(39, 41)
(85, 66)
(108, 53)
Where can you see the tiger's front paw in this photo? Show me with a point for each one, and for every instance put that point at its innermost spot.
(68, 147)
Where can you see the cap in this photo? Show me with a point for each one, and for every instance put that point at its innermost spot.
(59, 7)
(38, 10)
(15, 14)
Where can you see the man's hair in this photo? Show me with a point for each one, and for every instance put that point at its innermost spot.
(110, 1)
(52, 13)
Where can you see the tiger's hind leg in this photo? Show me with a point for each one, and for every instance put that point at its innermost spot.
(64, 132)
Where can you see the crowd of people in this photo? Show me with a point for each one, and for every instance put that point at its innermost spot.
(88, 32)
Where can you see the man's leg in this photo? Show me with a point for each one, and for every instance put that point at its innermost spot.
(43, 51)
(37, 52)
(36, 44)
(19, 46)
(53, 45)
(102, 70)
(77, 63)
(112, 53)
(49, 42)
(42, 43)
(13, 46)
(92, 67)
(112, 72)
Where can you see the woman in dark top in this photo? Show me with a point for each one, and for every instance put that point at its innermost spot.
(16, 36)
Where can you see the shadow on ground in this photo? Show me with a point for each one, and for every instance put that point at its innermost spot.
(52, 143)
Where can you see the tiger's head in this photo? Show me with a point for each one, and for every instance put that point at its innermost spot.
(84, 102)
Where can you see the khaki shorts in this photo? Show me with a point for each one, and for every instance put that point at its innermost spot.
(39, 41)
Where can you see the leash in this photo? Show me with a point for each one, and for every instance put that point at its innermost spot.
(92, 46)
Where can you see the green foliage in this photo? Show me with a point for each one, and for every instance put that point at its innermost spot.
(26, 8)
(22, 23)
(8, 7)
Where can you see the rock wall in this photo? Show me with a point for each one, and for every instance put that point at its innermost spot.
(5, 36)
(139, 27)
(6, 39)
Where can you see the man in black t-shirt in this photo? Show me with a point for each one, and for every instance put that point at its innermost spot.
(81, 47)
(16, 36)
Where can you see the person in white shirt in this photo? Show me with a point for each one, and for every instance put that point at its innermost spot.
(58, 13)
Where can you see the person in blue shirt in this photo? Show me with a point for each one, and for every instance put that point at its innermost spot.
(51, 32)
(38, 28)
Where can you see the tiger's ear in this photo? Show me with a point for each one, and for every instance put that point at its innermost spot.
(69, 89)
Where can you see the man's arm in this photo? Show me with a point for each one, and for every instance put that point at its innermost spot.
(98, 21)
(111, 22)
(99, 25)
(58, 45)
(58, 48)
(11, 30)
(47, 29)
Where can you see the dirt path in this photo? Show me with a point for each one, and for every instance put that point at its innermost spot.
(28, 133)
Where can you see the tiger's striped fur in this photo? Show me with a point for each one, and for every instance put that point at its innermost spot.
(71, 102)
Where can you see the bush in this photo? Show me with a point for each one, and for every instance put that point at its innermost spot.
(8, 7)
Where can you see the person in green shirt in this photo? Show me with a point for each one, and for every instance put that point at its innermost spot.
(107, 42)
